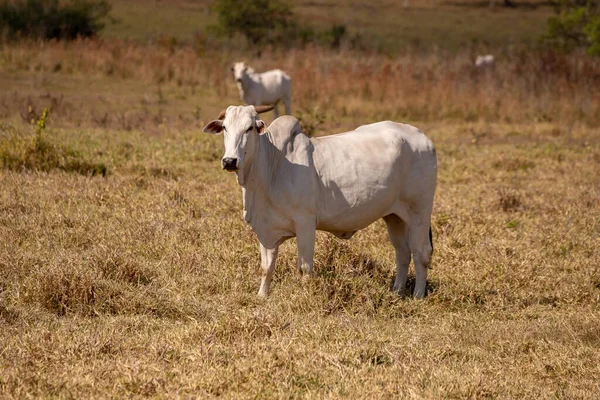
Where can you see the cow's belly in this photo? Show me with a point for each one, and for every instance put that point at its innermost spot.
(339, 215)
(271, 96)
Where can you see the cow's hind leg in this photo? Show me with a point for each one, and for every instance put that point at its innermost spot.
(276, 109)
(287, 102)
(421, 247)
(268, 257)
(398, 233)
(305, 234)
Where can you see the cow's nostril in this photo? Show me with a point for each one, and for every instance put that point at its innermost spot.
(229, 164)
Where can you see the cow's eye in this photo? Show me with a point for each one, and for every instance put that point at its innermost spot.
(249, 129)
(224, 129)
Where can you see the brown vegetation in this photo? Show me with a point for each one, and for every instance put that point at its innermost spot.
(524, 86)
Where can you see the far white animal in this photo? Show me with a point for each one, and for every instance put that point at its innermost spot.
(484, 61)
(293, 185)
(267, 88)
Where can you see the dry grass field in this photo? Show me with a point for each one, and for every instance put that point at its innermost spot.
(126, 270)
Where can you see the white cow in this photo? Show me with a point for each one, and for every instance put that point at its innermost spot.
(293, 185)
(260, 89)
(484, 61)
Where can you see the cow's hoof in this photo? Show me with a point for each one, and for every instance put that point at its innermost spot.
(399, 291)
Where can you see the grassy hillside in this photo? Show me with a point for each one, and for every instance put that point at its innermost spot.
(382, 25)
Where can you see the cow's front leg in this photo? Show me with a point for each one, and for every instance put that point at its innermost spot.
(305, 235)
(268, 257)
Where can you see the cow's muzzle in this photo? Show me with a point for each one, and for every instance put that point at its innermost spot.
(229, 164)
(238, 80)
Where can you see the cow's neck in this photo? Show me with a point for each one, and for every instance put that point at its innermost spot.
(258, 172)
(246, 82)
(257, 176)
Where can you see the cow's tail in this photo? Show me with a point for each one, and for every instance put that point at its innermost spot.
(430, 239)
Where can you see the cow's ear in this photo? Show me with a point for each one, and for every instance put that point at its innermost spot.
(260, 125)
(214, 127)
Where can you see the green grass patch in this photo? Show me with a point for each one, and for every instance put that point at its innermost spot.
(36, 152)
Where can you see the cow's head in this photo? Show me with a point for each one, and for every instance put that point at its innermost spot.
(241, 128)
(239, 69)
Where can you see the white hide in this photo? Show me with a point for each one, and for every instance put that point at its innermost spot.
(484, 61)
(262, 89)
(293, 185)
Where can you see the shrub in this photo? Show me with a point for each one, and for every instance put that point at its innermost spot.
(577, 24)
(335, 35)
(52, 19)
(260, 21)
(272, 22)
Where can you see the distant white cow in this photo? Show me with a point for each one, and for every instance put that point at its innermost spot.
(261, 89)
(484, 61)
(293, 185)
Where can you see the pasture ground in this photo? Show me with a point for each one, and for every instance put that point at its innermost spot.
(126, 269)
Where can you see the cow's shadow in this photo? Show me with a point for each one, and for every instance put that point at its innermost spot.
(337, 260)
(431, 287)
